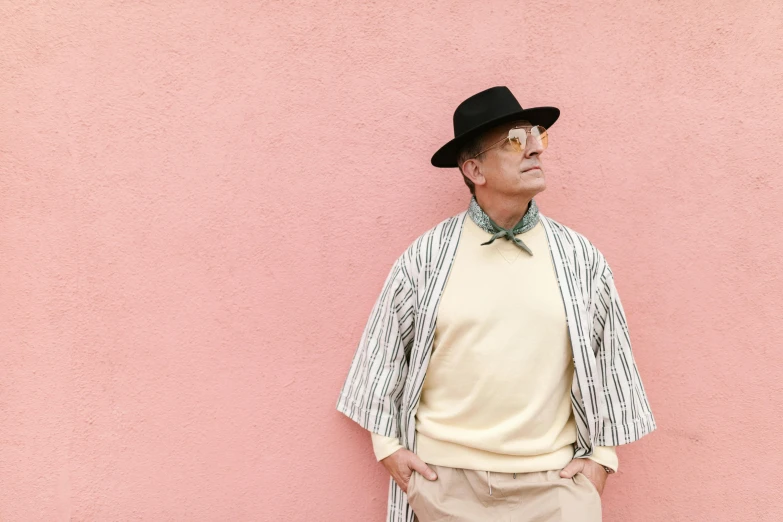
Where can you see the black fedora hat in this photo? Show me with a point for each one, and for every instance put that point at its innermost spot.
(483, 111)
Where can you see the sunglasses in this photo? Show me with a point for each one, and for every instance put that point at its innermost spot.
(517, 138)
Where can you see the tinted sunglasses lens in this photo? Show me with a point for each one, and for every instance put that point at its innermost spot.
(517, 138)
(539, 133)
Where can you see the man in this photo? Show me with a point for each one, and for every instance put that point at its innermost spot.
(495, 372)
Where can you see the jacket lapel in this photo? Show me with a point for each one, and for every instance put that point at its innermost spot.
(437, 262)
(584, 391)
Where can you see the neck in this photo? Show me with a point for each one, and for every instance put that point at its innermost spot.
(505, 211)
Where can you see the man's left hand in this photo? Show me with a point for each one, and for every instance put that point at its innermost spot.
(590, 469)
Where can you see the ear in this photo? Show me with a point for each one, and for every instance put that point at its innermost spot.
(472, 170)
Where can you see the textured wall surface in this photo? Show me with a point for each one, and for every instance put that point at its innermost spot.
(200, 202)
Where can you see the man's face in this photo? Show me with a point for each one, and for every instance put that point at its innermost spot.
(508, 171)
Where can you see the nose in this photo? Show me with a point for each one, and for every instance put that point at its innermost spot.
(533, 146)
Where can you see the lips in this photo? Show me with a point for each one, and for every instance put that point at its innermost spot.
(532, 168)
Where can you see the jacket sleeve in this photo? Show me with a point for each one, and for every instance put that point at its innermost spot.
(627, 416)
(372, 392)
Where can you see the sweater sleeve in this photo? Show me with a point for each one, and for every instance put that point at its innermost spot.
(384, 446)
(606, 456)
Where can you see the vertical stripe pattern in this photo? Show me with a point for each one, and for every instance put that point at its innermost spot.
(382, 390)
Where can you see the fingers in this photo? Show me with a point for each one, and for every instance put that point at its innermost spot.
(402, 464)
(573, 467)
(418, 465)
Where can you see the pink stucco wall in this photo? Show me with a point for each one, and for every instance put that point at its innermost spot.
(200, 201)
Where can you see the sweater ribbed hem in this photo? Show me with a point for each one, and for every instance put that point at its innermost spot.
(449, 454)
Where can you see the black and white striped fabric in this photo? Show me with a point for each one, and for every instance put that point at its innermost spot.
(381, 392)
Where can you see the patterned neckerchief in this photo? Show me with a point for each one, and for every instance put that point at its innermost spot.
(485, 223)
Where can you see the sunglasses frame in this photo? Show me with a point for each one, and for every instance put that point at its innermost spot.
(528, 132)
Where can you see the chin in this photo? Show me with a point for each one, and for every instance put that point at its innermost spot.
(538, 185)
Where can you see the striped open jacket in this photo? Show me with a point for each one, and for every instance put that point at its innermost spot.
(384, 383)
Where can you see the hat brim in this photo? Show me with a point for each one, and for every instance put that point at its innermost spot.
(446, 157)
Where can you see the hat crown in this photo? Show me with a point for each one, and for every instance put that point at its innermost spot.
(485, 106)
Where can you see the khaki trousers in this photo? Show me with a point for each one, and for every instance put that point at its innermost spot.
(464, 495)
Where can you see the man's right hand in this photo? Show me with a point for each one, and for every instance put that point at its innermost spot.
(402, 463)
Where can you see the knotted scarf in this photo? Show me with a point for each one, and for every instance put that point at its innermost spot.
(484, 222)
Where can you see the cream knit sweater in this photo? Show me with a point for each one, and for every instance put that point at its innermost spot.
(497, 393)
